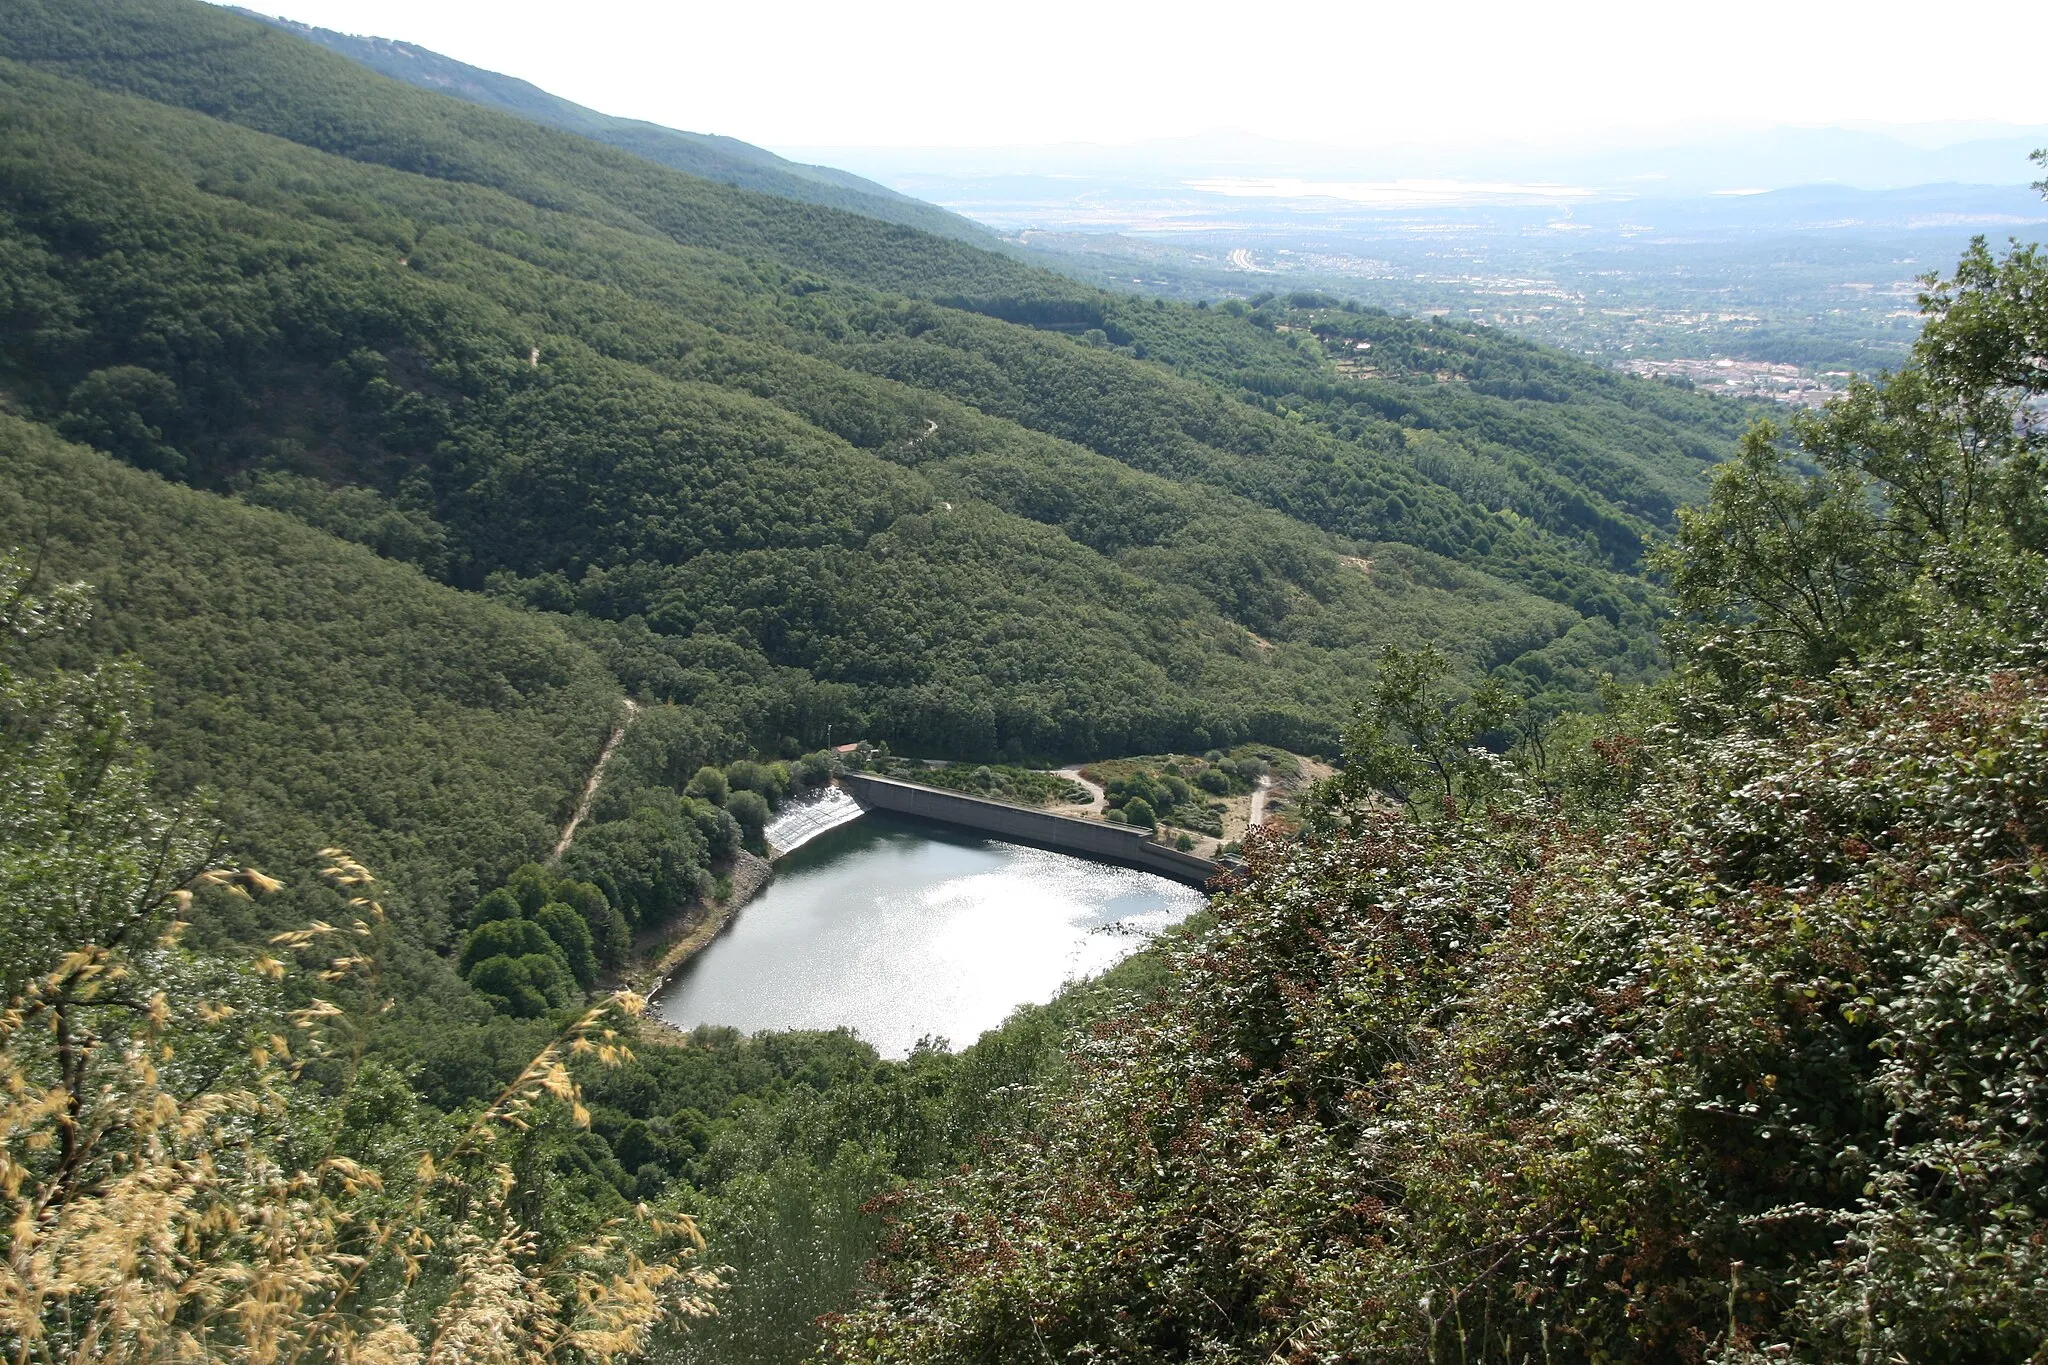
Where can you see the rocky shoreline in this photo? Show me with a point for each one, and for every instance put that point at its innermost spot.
(749, 874)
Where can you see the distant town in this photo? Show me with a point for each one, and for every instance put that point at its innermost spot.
(1747, 379)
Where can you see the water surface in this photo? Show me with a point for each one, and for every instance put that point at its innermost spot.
(902, 931)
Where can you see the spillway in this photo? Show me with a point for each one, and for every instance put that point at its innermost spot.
(800, 821)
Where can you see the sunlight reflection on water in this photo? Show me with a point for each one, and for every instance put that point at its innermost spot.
(900, 931)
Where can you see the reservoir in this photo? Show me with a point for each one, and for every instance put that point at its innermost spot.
(901, 931)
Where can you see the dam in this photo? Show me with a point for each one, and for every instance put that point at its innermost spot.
(1060, 833)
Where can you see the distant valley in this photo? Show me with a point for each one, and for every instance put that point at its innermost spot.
(1667, 254)
(1800, 247)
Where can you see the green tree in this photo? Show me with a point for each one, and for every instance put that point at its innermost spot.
(526, 986)
(1919, 515)
(610, 939)
(532, 886)
(506, 938)
(720, 832)
(565, 925)
(1795, 560)
(771, 780)
(649, 863)
(750, 809)
(710, 784)
(126, 411)
(498, 904)
(1417, 735)
(86, 857)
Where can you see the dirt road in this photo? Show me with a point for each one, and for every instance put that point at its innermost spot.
(1258, 810)
(1097, 800)
(611, 746)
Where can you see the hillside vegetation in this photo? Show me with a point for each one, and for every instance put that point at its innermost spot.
(971, 511)
(1706, 1028)
(320, 694)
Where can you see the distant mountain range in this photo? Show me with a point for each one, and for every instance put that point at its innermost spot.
(724, 159)
(1648, 166)
(1705, 185)
(1174, 207)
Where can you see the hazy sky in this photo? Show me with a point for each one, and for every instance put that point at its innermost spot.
(921, 73)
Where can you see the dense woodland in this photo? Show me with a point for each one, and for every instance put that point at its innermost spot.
(614, 390)
(1656, 978)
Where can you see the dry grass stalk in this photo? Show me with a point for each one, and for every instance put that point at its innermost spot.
(148, 1222)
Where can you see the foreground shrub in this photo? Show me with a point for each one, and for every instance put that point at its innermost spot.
(198, 1161)
(1763, 1066)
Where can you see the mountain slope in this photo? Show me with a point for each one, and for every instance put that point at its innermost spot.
(322, 694)
(586, 481)
(724, 159)
(993, 511)
(190, 55)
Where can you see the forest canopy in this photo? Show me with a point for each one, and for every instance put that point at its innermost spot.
(892, 472)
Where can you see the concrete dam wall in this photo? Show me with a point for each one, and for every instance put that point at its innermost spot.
(1112, 843)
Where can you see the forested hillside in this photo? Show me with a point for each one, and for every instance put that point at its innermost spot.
(292, 692)
(369, 458)
(1707, 1027)
(322, 694)
(1041, 521)
(747, 485)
